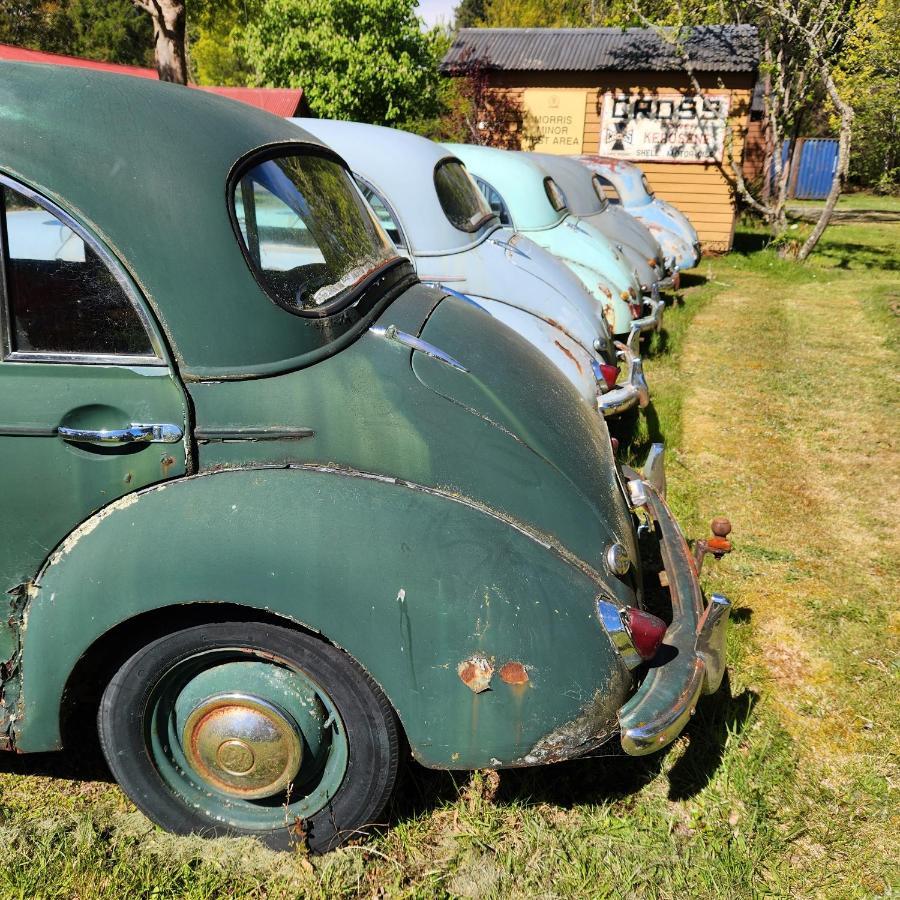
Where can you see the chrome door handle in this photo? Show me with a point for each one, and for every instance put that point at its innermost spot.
(134, 434)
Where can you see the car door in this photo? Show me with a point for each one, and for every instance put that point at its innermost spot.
(90, 407)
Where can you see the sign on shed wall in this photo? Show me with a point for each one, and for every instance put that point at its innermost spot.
(554, 119)
(666, 127)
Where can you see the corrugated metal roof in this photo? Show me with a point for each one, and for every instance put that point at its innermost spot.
(278, 101)
(711, 48)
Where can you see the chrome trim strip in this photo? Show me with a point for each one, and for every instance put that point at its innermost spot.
(93, 359)
(26, 431)
(459, 295)
(654, 470)
(118, 272)
(217, 435)
(392, 333)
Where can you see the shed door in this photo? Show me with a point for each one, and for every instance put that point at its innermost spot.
(89, 408)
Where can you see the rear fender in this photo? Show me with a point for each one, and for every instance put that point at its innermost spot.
(481, 632)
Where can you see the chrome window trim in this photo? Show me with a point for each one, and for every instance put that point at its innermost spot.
(401, 231)
(111, 263)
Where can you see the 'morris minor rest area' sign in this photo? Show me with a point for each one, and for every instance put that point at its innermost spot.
(666, 127)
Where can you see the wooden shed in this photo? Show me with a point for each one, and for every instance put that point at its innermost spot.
(625, 94)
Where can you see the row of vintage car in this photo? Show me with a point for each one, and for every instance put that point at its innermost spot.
(304, 464)
(538, 244)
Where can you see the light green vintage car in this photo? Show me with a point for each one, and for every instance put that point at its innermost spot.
(273, 511)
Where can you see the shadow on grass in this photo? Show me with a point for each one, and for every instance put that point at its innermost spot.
(606, 776)
(84, 764)
(849, 255)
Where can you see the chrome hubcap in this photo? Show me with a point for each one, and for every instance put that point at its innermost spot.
(243, 745)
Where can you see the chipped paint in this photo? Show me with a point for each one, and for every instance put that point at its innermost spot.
(596, 724)
(475, 673)
(568, 353)
(83, 530)
(513, 673)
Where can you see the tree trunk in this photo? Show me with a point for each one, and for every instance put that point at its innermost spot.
(840, 170)
(168, 36)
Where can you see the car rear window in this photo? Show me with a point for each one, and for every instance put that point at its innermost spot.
(307, 232)
(460, 199)
(555, 195)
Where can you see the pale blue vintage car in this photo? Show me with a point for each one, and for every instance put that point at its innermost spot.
(587, 200)
(625, 184)
(434, 213)
(523, 193)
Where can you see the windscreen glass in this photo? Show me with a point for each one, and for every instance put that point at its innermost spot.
(307, 231)
(460, 199)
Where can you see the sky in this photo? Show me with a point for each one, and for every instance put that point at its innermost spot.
(436, 11)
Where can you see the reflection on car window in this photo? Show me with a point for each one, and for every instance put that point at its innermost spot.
(555, 195)
(495, 201)
(609, 189)
(61, 296)
(308, 231)
(383, 213)
(461, 201)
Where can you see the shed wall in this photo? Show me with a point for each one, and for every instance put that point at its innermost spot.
(702, 191)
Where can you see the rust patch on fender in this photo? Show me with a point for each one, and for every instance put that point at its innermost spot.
(570, 355)
(513, 673)
(475, 673)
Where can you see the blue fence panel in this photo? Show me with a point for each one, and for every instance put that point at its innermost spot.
(818, 160)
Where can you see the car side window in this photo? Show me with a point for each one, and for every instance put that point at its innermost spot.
(609, 189)
(495, 201)
(383, 212)
(60, 297)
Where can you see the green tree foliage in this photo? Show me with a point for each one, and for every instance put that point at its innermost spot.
(113, 31)
(469, 13)
(357, 59)
(869, 79)
(215, 40)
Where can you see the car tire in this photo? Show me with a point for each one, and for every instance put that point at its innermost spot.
(203, 730)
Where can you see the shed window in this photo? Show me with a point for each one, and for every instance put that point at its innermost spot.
(60, 296)
(495, 201)
(308, 233)
(555, 195)
(460, 199)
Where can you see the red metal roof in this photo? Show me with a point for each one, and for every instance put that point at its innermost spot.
(278, 101)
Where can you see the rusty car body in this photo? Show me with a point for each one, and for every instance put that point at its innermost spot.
(270, 504)
(625, 184)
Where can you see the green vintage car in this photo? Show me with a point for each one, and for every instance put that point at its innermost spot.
(273, 511)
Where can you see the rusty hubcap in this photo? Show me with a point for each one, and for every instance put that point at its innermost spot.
(243, 745)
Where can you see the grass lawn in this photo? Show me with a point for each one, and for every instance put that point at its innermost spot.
(775, 387)
(857, 200)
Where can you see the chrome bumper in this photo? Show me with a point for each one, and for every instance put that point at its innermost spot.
(667, 698)
(650, 322)
(632, 391)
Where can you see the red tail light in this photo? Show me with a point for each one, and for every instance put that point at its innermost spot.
(610, 374)
(637, 309)
(647, 631)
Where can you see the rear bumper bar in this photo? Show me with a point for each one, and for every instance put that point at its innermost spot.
(695, 661)
(632, 391)
(650, 322)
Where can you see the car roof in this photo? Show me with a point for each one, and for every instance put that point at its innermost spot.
(400, 166)
(577, 182)
(518, 179)
(144, 165)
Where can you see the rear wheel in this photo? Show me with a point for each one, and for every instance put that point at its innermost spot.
(247, 728)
